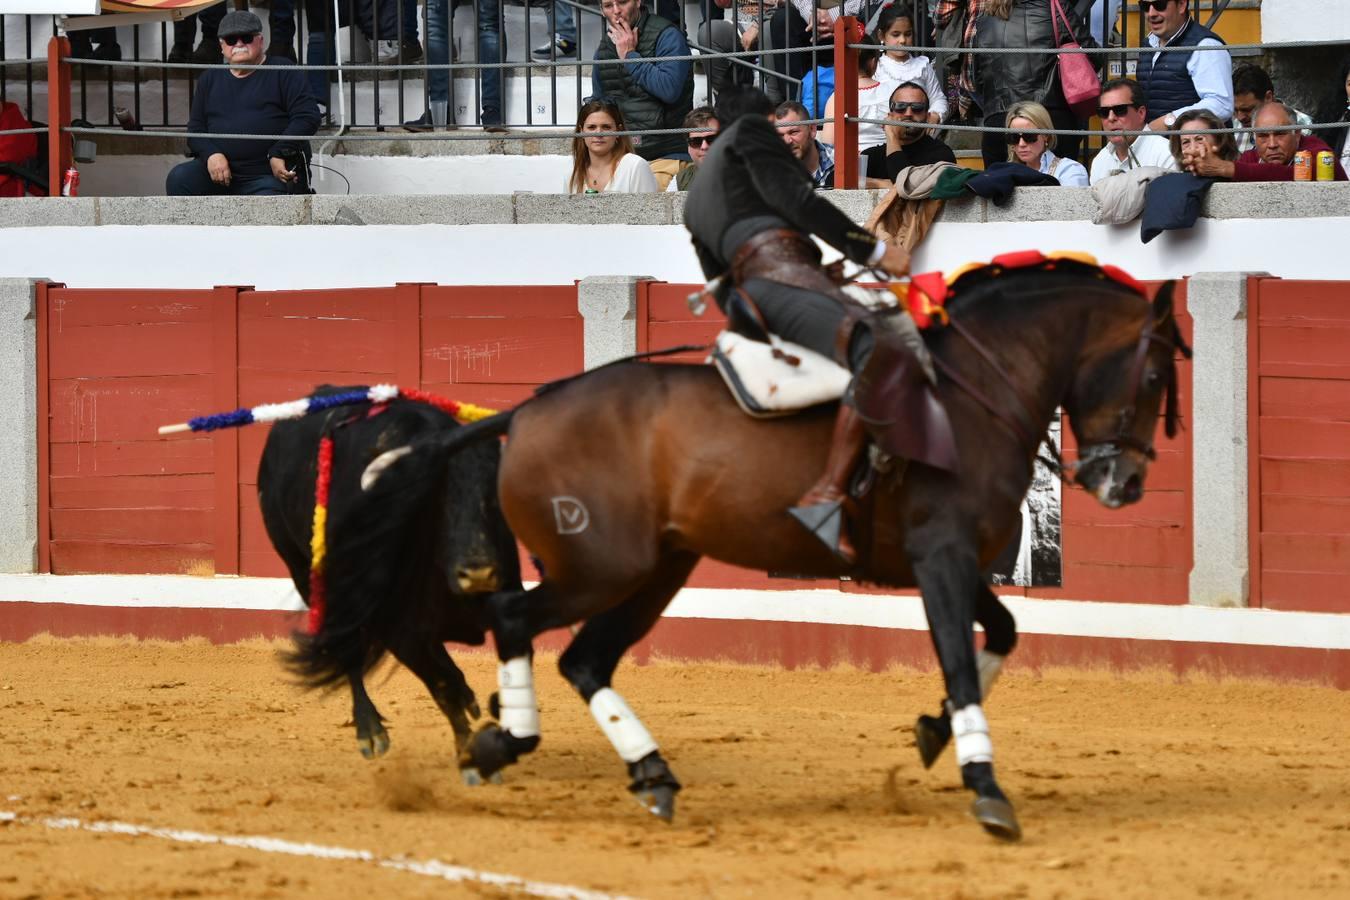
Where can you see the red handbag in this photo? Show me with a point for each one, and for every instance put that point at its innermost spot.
(1077, 77)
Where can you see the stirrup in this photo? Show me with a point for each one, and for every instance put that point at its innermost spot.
(826, 522)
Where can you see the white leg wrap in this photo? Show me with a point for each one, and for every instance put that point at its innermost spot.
(621, 725)
(972, 735)
(515, 694)
(990, 665)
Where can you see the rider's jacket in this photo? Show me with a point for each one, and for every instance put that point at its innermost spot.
(750, 181)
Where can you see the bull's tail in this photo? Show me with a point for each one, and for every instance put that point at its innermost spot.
(379, 554)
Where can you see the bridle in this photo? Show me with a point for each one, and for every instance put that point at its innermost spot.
(1019, 419)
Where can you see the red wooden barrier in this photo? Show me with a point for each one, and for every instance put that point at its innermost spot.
(1299, 443)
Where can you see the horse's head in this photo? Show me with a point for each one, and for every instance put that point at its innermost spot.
(1113, 403)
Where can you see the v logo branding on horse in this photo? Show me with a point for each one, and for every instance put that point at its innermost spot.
(669, 470)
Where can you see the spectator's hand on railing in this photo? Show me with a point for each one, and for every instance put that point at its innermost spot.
(1198, 160)
(218, 167)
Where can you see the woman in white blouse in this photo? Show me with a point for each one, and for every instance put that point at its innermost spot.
(605, 163)
(1034, 150)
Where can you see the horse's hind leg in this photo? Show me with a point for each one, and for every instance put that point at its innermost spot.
(949, 578)
(931, 733)
(370, 734)
(589, 663)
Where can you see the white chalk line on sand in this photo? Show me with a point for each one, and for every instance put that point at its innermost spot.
(429, 867)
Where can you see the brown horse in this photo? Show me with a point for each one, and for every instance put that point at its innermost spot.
(619, 480)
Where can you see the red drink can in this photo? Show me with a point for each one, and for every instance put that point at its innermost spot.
(70, 185)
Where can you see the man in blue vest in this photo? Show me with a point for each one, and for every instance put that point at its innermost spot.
(652, 95)
(1185, 79)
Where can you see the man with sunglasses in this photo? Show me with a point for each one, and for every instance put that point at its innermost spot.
(1122, 110)
(908, 144)
(273, 100)
(704, 125)
(1183, 80)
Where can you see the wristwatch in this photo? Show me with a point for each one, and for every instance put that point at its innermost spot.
(1170, 119)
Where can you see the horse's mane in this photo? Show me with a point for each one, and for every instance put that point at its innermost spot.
(972, 287)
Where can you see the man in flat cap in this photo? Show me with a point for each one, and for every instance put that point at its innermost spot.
(273, 100)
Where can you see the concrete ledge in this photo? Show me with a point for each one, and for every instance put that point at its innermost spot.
(18, 425)
(203, 211)
(35, 212)
(594, 209)
(1274, 200)
(417, 209)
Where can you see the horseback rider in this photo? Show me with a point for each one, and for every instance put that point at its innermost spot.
(751, 213)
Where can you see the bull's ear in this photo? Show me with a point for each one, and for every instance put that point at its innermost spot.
(1162, 302)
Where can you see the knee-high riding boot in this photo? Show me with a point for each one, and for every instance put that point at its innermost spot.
(821, 509)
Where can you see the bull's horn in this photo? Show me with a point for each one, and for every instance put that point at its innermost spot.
(379, 464)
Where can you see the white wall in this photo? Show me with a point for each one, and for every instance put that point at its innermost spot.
(1305, 20)
(321, 256)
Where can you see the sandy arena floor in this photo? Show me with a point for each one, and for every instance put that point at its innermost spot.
(797, 784)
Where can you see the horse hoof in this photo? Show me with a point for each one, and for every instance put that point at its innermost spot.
(659, 801)
(997, 817)
(931, 735)
(474, 778)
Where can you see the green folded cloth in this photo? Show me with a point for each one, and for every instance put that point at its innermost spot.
(952, 183)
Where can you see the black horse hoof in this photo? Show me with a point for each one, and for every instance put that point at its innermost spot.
(654, 785)
(492, 749)
(997, 817)
(474, 778)
(931, 734)
(659, 801)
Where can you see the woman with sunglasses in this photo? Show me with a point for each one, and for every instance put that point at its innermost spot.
(1003, 79)
(604, 163)
(1034, 150)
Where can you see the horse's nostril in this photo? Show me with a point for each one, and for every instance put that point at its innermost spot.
(1134, 489)
(477, 579)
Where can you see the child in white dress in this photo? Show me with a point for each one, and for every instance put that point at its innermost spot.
(895, 29)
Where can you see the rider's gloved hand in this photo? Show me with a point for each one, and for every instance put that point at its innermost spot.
(893, 259)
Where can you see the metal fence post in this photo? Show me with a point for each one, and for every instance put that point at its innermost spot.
(58, 113)
(847, 30)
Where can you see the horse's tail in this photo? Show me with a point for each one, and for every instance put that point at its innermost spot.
(379, 552)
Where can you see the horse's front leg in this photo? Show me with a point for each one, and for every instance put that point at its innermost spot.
(949, 578)
(932, 733)
(515, 707)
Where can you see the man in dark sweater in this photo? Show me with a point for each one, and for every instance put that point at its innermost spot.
(751, 213)
(907, 144)
(1272, 159)
(267, 101)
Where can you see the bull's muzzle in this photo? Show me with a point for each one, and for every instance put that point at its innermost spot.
(477, 579)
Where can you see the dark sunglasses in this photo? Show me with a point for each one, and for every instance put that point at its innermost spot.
(1022, 138)
(899, 106)
(231, 39)
(1157, 5)
(1119, 110)
(702, 141)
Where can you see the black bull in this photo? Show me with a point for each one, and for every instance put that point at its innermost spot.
(440, 553)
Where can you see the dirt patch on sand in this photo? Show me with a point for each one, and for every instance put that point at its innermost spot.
(800, 783)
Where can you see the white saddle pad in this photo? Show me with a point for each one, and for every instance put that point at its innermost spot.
(776, 379)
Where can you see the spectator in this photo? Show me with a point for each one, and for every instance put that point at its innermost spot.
(15, 149)
(1187, 144)
(1034, 150)
(1336, 137)
(1251, 88)
(909, 144)
(82, 44)
(872, 100)
(895, 28)
(1003, 80)
(948, 17)
(705, 127)
(1176, 82)
(1122, 109)
(207, 53)
(491, 50)
(604, 163)
(1102, 20)
(272, 100)
(733, 36)
(817, 89)
(1273, 158)
(562, 24)
(801, 24)
(800, 136)
(652, 95)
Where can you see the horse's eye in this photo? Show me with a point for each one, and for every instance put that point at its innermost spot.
(1154, 379)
